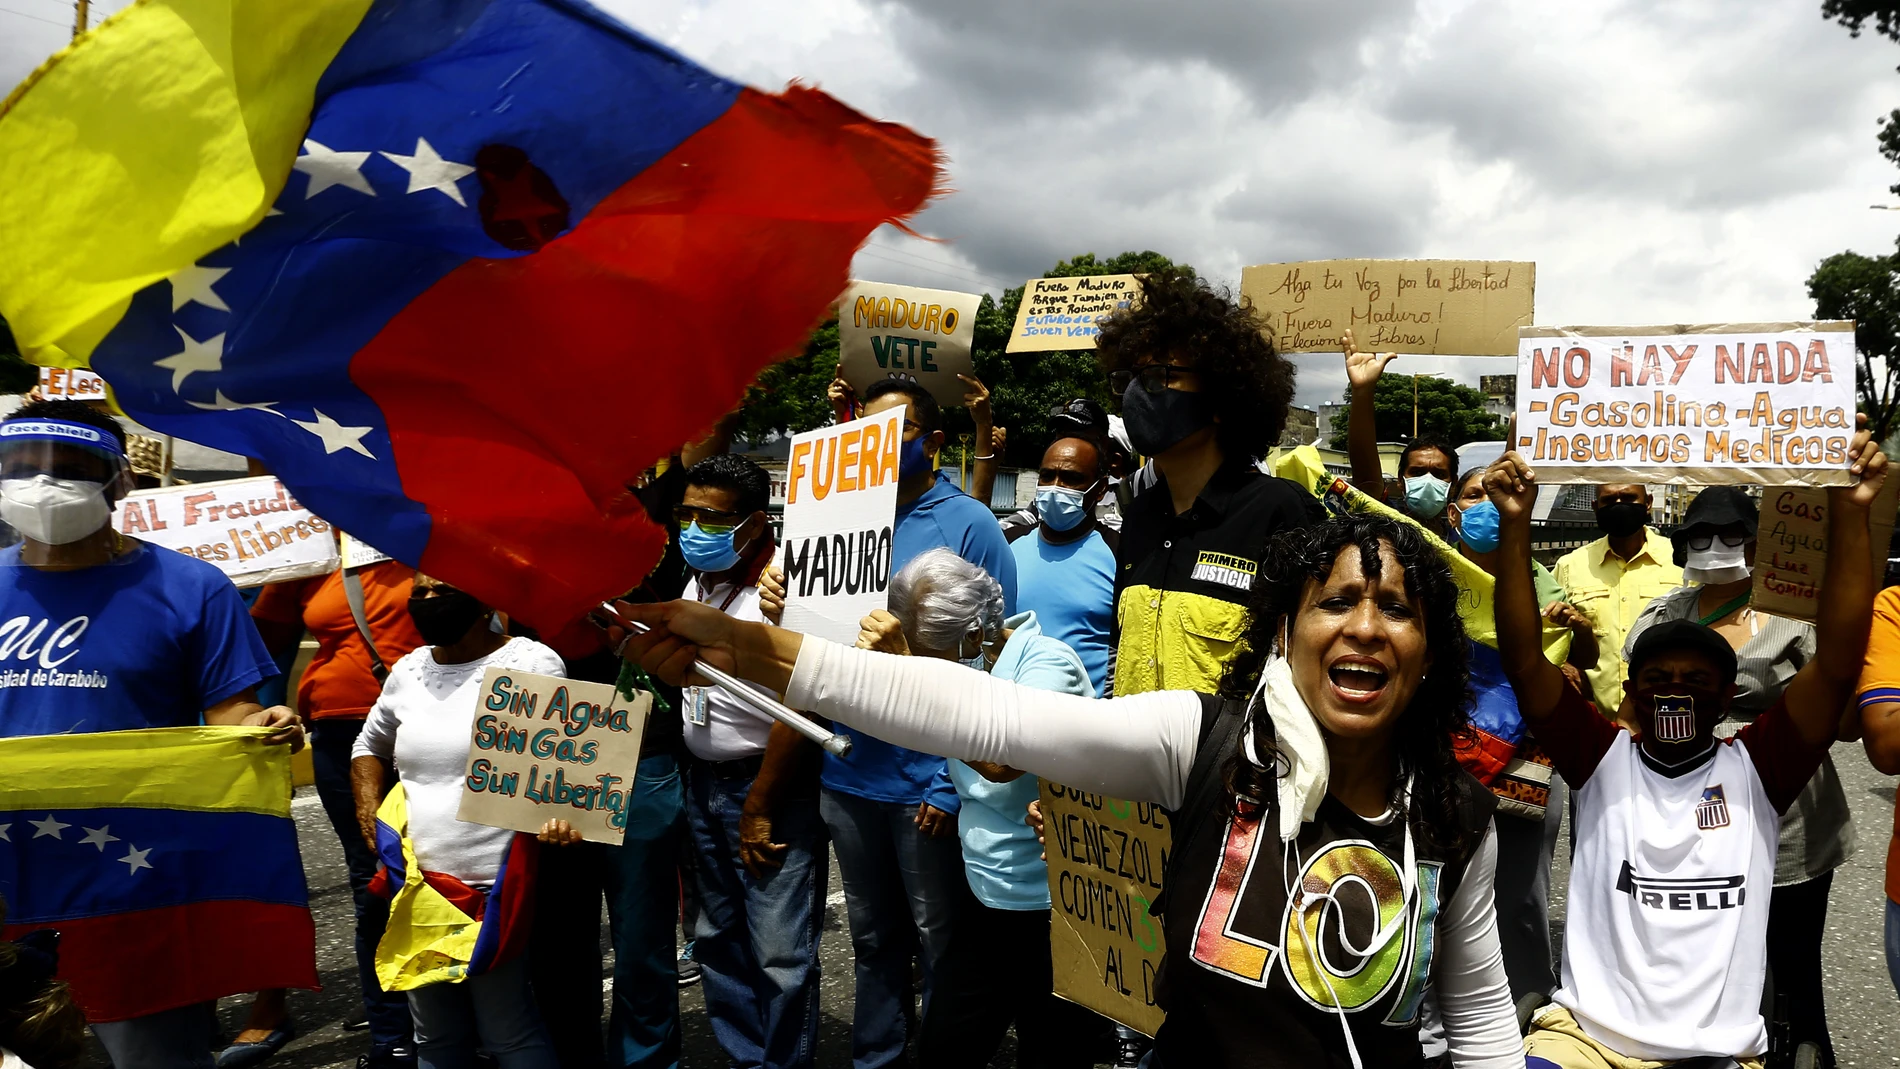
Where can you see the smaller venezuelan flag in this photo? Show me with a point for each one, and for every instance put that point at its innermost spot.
(166, 859)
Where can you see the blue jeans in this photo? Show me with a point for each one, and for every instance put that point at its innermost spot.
(757, 937)
(643, 896)
(901, 890)
(493, 1012)
(388, 1012)
(1893, 943)
(172, 1039)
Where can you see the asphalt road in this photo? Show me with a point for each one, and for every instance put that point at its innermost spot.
(1864, 1012)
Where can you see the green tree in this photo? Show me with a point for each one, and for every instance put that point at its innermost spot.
(790, 396)
(1447, 409)
(1866, 289)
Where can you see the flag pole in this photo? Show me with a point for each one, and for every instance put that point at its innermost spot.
(81, 9)
(762, 706)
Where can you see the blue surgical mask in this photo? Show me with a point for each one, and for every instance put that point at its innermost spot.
(1425, 496)
(708, 552)
(912, 460)
(1060, 507)
(1478, 527)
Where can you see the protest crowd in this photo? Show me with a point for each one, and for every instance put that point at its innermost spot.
(1206, 756)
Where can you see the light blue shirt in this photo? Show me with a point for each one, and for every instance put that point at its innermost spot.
(1000, 854)
(1071, 589)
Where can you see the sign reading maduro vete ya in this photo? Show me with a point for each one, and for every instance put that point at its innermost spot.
(840, 506)
(1743, 403)
(1106, 857)
(1449, 307)
(545, 748)
(251, 529)
(902, 332)
(1066, 313)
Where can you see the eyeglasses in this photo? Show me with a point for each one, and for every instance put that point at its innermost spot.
(1702, 542)
(711, 521)
(1154, 377)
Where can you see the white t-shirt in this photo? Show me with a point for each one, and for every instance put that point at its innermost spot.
(1666, 945)
(10, 1060)
(422, 722)
(718, 727)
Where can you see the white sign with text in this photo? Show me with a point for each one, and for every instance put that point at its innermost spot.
(840, 510)
(252, 530)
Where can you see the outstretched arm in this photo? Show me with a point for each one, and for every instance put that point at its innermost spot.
(1512, 487)
(1821, 689)
(1362, 428)
(1139, 748)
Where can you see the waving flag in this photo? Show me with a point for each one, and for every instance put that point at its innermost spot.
(456, 270)
(166, 859)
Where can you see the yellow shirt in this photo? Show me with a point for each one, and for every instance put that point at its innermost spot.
(1612, 593)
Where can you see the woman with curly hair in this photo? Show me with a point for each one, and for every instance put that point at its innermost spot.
(1332, 864)
(41, 1027)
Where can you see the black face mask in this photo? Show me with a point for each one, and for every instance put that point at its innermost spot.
(1620, 519)
(1156, 421)
(446, 617)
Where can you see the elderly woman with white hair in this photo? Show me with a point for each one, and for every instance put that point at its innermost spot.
(997, 969)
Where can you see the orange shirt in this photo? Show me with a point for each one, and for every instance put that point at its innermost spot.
(338, 681)
(1880, 682)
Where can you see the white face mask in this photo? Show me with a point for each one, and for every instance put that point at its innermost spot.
(1716, 564)
(52, 511)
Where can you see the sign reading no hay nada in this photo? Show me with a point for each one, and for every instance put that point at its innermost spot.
(1106, 857)
(840, 507)
(1448, 307)
(1066, 313)
(902, 332)
(1768, 403)
(545, 748)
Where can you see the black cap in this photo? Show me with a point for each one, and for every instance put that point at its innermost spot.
(1080, 413)
(1688, 636)
(1715, 508)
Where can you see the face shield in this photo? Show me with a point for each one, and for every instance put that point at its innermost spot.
(57, 478)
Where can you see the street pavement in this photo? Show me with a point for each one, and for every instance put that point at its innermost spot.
(1864, 1012)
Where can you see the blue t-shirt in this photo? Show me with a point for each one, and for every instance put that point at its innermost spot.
(942, 516)
(1001, 857)
(150, 640)
(1071, 589)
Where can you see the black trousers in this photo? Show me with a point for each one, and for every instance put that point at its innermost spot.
(996, 972)
(1797, 915)
(564, 956)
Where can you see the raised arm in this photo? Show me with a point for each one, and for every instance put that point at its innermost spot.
(1512, 487)
(984, 463)
(1139, 748)
(1820, 690)
(1362, 426)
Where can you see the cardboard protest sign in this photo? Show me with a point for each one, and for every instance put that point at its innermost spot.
(1737, 403)
(358, 553)
(902, 332)
(546, 748)
(1106, 858)
(251, 529)
(1065, 313)
(840, 508)
(1448, 307)
(1791, 547)
(71, 384)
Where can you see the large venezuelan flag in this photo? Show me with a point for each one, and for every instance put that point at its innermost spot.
(166, 859)
(456, 270)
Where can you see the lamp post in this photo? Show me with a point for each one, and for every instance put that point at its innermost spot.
(1415, 378)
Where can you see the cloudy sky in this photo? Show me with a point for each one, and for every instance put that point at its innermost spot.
(1661, 162)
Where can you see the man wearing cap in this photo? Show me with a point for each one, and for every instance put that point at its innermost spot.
(1665, 949)
(159, 638)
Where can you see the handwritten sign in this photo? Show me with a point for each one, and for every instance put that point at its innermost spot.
(1106, 858)
(251, 529)
(1745, 403)
(545, 748)
(902, 332)
(71, 384)
(1448, 307)
(1791, 547)
(840, 508)
(1066, 313)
